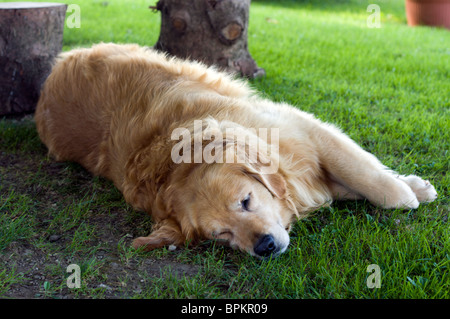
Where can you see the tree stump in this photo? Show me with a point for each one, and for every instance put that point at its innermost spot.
(30, 37)
(211, 31)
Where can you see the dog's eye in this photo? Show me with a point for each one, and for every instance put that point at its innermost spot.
(245, 203)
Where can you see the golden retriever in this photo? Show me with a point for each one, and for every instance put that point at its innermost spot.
(149, 122)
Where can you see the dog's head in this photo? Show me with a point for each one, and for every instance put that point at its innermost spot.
(240, 202)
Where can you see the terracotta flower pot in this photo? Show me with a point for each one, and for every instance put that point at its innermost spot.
(428, 12)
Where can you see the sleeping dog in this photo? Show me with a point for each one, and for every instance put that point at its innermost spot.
(203, 153)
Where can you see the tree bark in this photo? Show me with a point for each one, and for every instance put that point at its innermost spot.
(211, 31)
(30, 37)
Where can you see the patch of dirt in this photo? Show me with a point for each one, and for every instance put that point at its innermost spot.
(115, 278)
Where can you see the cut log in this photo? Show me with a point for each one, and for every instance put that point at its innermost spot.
(31, 36)
(211, 31)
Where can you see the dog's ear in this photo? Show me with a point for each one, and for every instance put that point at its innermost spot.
(167, 233)
(275, 183)
(264, 167)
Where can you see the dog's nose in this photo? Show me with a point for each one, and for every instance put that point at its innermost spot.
(265, 246)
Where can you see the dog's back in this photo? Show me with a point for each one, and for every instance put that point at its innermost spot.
(118, 88)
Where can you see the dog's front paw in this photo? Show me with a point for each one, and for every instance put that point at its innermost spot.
(394, 194)
(424, 191)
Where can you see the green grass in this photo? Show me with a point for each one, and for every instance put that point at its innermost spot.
(16, 222)
(388, 88)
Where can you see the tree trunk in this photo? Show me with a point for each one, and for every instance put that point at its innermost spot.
(30, 37)
(211, 31)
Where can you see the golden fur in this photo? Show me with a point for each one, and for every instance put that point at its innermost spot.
(112, 108)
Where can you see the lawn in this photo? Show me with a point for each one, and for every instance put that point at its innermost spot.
(387, 87)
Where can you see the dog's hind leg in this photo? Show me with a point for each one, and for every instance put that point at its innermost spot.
(360, 174)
